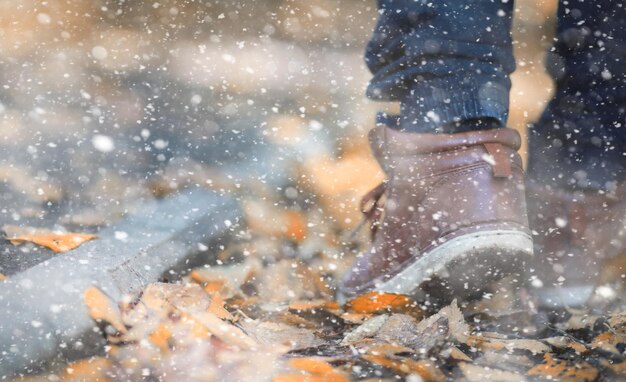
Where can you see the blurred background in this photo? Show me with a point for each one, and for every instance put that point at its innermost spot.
(106, 103)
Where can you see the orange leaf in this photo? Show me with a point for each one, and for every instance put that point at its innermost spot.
(93, 369)
(161, 337)
(378, 302)
(217, 307)
(101, 308)
(426, 369)
(564, 371)
(311, 365)
(58, 242)
(2, 277)
(296, 225)
(311, 378)
(312, 305)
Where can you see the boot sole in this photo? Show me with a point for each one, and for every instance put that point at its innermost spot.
(462, 267)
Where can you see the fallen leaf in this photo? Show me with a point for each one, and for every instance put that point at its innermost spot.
(475, 373)
(486, 343)
(609, 341)
(454, 353)
(563, 370)
(227, 332)
(311, 378)
(313, 305)
(227, 279)
(101, 308)
(564, 342)
(446, 325)
(2, 277)
(92, 369)
(276, 334)
(311, 365)
(388, 350)
(425, 369)
(217, 307)
(379, 302)
(368, 329)
(161, 337)
(56, 241)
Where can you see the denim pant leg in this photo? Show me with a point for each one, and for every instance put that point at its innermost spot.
(445, 61)
(580, 140)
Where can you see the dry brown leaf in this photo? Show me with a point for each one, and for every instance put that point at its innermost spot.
(355, 318)
(388, 350)
(454, 353)
(227, 279)
(475, 373)
(314, 304)
(56, 241)
(311, 365)
(2, 277)
(280, 335)
(564, 342)
(311, 378)
(445, 325)
(217, 307)
(227, 332)
(161, 337)
(102, 308)
(379, 302)
(608, 341)
(368, 329)
(564, 371)
(486, 343)
(425, 369)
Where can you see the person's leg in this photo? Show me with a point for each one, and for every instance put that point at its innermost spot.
(577, 159)
(445, 61)
(580, 140)
(454, 215)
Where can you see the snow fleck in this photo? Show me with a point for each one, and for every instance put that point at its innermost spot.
(228, 223)
(315, 125)
(44, 18)
(536, 282)
(606, 292)
(36, 324)
(196, 99)
(560, 222)
(121, 235)
(606, 74)
(433, 116)
(160, 144)
(103, 143)
(99, 52)
(489, 159)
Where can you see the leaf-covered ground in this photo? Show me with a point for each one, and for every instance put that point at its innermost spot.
(266, 310)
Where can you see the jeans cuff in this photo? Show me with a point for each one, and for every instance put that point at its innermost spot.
(431, 104)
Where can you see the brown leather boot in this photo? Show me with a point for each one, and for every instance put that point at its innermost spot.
(576, 233)
(453, 216)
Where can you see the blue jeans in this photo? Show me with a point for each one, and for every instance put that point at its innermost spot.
(450, 61)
